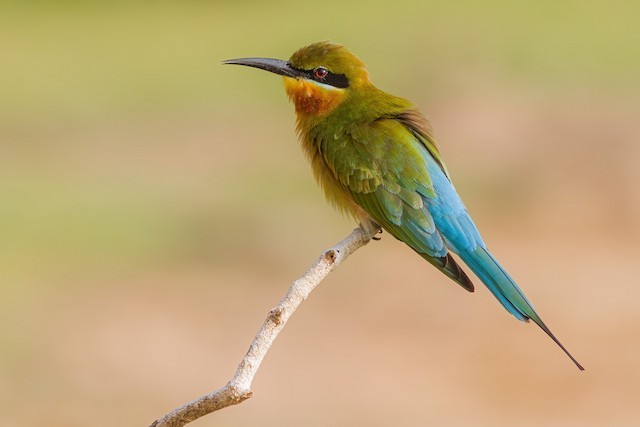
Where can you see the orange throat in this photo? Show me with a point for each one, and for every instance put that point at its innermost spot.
(311, 98)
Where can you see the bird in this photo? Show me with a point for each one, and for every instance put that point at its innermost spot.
(375, 158)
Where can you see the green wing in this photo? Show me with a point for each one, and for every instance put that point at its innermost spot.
(381, 166)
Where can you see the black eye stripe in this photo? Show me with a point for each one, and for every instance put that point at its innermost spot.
(335, 80)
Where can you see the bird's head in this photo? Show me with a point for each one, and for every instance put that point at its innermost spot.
(318, 77)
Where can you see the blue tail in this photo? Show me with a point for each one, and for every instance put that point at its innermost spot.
(487, 268)
(462, 237)
(501, 285)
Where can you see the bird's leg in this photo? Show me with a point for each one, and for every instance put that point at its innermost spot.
(371, 228)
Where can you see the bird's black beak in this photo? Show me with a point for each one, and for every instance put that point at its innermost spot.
(276, 66)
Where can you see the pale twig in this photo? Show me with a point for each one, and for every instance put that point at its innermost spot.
(238, 389)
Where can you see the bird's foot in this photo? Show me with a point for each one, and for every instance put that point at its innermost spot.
(371, 229)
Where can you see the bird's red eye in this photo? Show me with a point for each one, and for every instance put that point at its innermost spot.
(320, 72)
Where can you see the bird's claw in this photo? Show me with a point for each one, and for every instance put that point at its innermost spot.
(378, 232)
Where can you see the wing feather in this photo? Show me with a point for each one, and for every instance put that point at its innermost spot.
(374, 169)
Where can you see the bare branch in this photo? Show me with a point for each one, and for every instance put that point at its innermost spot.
(238, 389)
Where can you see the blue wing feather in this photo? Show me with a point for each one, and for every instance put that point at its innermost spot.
(462, 237)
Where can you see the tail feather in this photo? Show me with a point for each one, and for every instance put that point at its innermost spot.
(498, 282)
(487, 268)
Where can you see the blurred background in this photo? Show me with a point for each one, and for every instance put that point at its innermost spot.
(154, 205)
